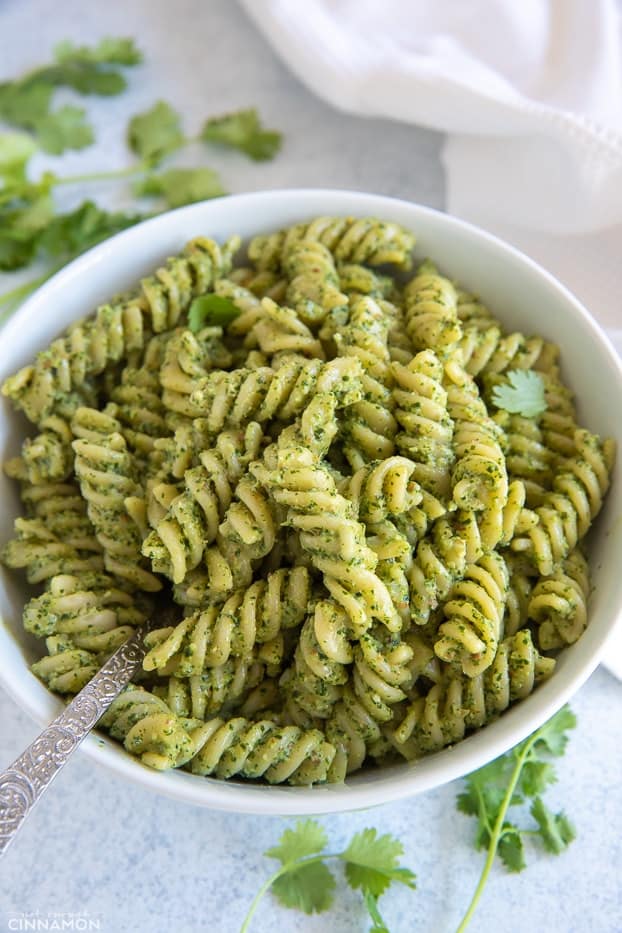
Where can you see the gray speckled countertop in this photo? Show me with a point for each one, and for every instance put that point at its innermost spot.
(133, 861)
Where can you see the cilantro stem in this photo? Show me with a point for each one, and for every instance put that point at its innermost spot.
(290, 866)
(135, 169)
(485, 819)
(48, 181)
(497, 831)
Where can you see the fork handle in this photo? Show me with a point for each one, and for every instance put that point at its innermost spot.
(23, 782)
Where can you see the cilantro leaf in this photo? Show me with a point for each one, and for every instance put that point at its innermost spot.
(555, 829)
(31, 229)
(86, 78)
(306, 838)
(553, 734)
(523, 393)
(379, 926)
(20, 231)
(483, 795)
(108, 51)
(372, 862)
(63, 129)
(180, 186)
(155, 133)
(24, 103)
(68, 235)
(211, 311)
(467, 802)
(243, 130)
(305, 883)
(308, 888)
(506, 782)
(15, 251)
(536, 777)
(15, 152)
(511, 849)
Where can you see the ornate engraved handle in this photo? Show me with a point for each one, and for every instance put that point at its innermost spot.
(23, 783)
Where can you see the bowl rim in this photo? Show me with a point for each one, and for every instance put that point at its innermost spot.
(402, 780)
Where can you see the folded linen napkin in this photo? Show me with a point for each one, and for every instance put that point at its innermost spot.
(530, 95)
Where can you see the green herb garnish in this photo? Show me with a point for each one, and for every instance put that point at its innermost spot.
(70, 234)
(155, 133)
(182, 185)
(304, 881)
(211, 311)
(516, 777)
(522, 395)
(30, 228)
(26, 102)
(243, 130)
(108, 51)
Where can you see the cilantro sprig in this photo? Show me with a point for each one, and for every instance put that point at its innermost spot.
(371, 862)
(304, 881)
(522, 394)
(30, 227)
(510, 781)
(211, 310)
(26, 102)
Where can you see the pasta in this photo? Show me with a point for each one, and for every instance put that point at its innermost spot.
(358, 555)
(91, 609)
(61, 373)
(369, 427)
(427, 429)
(105, 472)
(191, 521)
(313, 284)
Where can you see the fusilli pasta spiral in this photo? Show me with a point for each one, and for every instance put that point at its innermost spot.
(558, 603)
(117, 329)
(349, 239)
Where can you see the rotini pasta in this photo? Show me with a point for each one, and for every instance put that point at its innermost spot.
(479, 475)
(427, 429)
(369, 427)
(66, 669)
(558, 603)
(313, 284)
(567, 512)
(487, 351)
(232, 399)
(359, 555)
(106, 474)
(349, 239)
(209, 637)
(203, 695)
(279, 331)
(321, 660)
(517, 668)
(190, 524)
(117, 329)
(473, 616)
(456, 703)
(46, 458)
(91, 609)
(357, 279)
(431, 305)
(187, 359)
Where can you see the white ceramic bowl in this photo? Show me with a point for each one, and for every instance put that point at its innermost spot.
(519, 292)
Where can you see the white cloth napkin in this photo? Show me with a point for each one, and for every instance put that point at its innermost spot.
(530, 95)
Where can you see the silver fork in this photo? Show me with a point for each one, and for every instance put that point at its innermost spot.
(24, 782)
